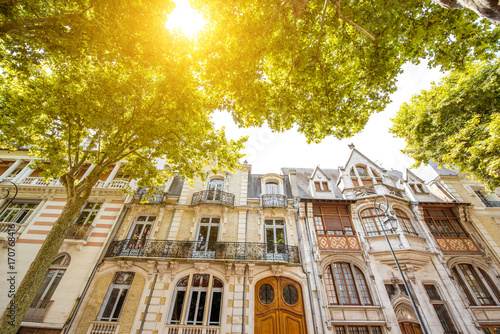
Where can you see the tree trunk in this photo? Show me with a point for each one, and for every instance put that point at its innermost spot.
(489, 9)
(25, 293)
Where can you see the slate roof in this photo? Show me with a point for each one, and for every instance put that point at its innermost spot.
(303, 175)
(176, 187)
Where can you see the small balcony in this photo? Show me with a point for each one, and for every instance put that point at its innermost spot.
(39, 181)
(103, 327)
(37, 310)
(156, 196)
(185, 329)
(338, 242)
(237, 251)
(273, 201)
(115, 184)
(79, 232)
(9, 228)
(456, 244)
(213, 197)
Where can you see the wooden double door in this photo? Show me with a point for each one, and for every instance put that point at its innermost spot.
(410, 328)
(279, 307)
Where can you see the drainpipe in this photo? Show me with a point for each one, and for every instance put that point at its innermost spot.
(308, 278)
(245, 275)
(244, 298)
(92, 274)
(147, 305)
(318, 286)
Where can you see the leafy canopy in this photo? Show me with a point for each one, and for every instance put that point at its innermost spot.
(457, 122)
(327, 66)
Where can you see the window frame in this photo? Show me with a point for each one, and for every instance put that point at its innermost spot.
(319, 216)
(437, 302)
(18, 217)
(361, 290)
(112, 286)
(210, 225)
(405, 222)
(483, 281)
(188, 289)
(375, 222)
(140, 242)
(50, 286)
(272, 188)
(89, 211)
(439, 224)
(321, 186)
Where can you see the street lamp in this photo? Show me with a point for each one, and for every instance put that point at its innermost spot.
(390, 223)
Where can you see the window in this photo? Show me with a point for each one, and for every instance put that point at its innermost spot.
(272, 188)
(215, 189)
(491, 329)
(321, 186)
(275, 236)
(440, 309)
(358, 330)
(18, 212)
(51, 281)
(477, 284)
(444, 223)
(361, 171)
(115, 298)
(371, 221)
(405, 222)
(345, 283)
(420, 188)
(202, 296)
(335, 220)
(140, 231)
(88, 214)
(207, 234)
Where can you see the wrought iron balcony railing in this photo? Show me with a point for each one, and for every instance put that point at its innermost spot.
(251, 251)
(273, 201)
(213, 196)
(79, 232)
(153, 196)
(37, 310)
(492, 204)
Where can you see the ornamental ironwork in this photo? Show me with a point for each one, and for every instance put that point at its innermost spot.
(273, 201)
(208, 250)
(153, 196)
(213, 197)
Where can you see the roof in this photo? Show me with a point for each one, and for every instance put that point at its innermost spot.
(303, 175)
(176, 187)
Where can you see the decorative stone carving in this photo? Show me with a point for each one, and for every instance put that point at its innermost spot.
(277, 270)
(201, 267)
(250, 272)
(229, 267)
(125, 265)
(239, 270)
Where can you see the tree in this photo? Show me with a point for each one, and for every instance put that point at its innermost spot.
(326, 67)
(457, 122)
(73, 114)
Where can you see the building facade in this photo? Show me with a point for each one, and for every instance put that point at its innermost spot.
(303, 251)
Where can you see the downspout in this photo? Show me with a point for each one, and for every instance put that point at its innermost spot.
(318, 286)
(245, 274)
(308, 278)
(147, 305)
(99, 262)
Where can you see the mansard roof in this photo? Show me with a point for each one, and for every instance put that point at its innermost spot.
(303, 176)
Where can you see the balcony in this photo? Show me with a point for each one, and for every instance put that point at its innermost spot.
(115, 184)
(182, 329)
(240, 251)
(492, 204)
(79, 232)
(213, 197)
(273, 201)
(338, 242)
(39, 181)
(103, 327)
(7, 227)
(153, 197)
(457, 244)
(37, 310)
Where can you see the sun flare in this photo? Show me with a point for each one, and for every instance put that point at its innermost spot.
(185, 18)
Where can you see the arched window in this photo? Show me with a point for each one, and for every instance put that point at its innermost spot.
(477, 284)
(346, 285)
(204, 294)
(371, 222)
(361, 171)
(272, 188)
(51, 281)
(405, 222)
(215, 187)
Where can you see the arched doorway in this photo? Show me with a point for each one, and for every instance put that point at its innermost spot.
(279, 307)
(410, 328)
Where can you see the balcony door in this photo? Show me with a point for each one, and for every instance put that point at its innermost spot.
(410, 328)
(206, 239)
(275, 239)
(139, 234)
(214, 189)
(279, 307)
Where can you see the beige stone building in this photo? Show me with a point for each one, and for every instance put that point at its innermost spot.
(302, 251)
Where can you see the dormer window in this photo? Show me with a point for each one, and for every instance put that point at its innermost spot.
(361, 171)
(272, 188)
(417, 188)
(321, 186)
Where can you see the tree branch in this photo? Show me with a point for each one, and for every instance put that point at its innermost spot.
(357, 27)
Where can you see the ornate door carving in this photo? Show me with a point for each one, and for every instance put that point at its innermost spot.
(279, 307)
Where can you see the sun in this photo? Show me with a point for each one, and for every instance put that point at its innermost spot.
(185, 18)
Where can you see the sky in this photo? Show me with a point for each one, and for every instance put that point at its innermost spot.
(269, 151)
